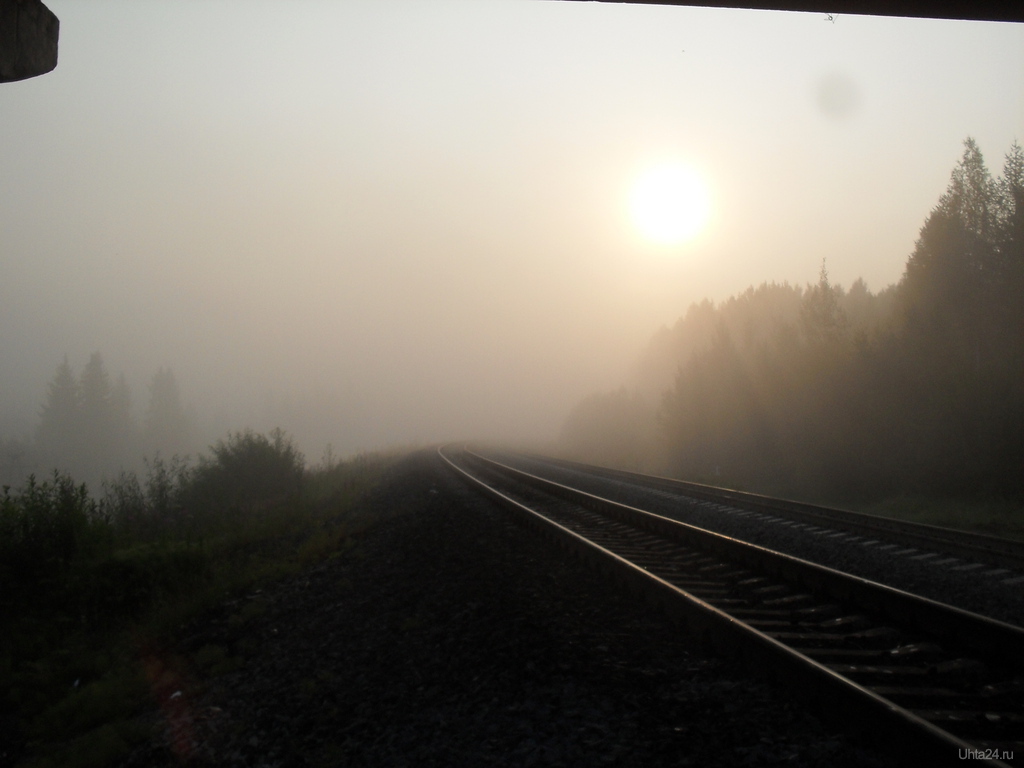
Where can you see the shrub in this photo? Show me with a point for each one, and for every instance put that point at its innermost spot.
(156, 511)
(130, 580)
(247, 472)
(45, 528)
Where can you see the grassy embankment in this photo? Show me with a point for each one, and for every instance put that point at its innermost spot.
(989, 515)
(1003, 518)
(92, 588)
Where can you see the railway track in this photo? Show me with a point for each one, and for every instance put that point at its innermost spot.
(935, 683)
(936, 567)
(1000, 552)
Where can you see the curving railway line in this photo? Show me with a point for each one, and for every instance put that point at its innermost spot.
(935, 683)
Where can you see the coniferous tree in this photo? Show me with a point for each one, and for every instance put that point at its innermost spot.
(952, 280)
(1009, 190)
(821, 317)
(98, 423)
(125, 429)
(1009, 441)
(971, 197)
(1010, 248)
(959, 369)
(86, 425)
(59, 431)
(167, 428)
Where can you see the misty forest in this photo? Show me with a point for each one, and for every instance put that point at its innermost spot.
(815, 392)
(113, 532)
(87, 426)
(843, 394)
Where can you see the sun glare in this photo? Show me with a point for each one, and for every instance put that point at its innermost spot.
(670, 204)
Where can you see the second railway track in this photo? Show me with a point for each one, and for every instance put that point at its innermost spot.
(1003, 552)
(937, 683)
(936, 567)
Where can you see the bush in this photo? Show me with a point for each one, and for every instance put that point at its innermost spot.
(156, 511)
(130, 580)
(246, 473)
(45, 528)
(50, 522)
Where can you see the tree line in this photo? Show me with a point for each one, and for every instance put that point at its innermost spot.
(847, 394)
(87, 427)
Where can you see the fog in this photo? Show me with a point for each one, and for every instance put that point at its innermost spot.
(383, 223)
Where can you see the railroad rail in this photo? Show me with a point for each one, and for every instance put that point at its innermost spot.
(1007, 553)
(936, 684)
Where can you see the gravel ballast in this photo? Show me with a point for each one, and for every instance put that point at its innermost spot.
(450, 636)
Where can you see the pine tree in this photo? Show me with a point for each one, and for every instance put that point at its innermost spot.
(1009, 190)
(86, 425)
(822, 319)
(96, 389)
(961, 348)
(951, 284)
(125, 431)
(99, 451)
(166, 428)
(971, 194)
(1010, 245)
(59, 431)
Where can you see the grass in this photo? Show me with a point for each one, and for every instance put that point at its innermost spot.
(94, 590)
(994, 517)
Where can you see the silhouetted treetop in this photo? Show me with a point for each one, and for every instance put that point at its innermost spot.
(822, 320)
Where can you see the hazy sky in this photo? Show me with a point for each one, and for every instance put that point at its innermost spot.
(377, 222)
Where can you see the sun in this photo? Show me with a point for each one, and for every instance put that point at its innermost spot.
(669, 204)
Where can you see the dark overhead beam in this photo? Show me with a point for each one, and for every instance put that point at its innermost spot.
(970, 10)
(28, 39)
(29, 30)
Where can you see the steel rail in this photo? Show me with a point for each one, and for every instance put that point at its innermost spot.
(913, 735)
(1007, 553)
